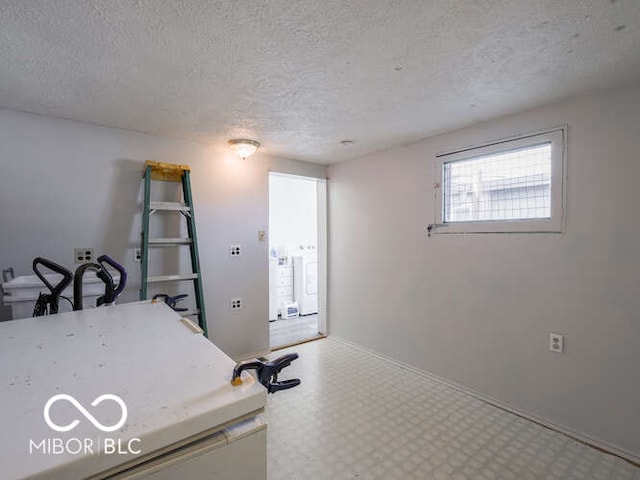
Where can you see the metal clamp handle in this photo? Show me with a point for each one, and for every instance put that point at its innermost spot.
(67, 276)
(111, 292)
(56, 290)
(121, 271)
(77, 281)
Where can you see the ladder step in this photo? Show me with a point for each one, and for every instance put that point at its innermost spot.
(169, 172)
(172, 278)
(175, 206)
(168, 242)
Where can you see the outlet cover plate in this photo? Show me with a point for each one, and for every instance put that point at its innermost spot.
(82, 255)
(556, 343)
(137, 255)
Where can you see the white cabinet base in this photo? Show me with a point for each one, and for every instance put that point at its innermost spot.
(222, 456)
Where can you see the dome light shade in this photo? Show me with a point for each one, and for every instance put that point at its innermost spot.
(244, 148)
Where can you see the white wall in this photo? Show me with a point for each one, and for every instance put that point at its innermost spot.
(67, 184)
(293, 218)
(478, 309)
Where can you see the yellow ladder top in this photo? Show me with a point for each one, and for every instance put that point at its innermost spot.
(168, 172)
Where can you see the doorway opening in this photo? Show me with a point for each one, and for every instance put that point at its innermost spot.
(297, 259)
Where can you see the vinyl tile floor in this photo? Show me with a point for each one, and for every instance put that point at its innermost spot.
(293, 330)
(357, 415)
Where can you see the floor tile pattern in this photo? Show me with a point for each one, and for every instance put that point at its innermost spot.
(292, 330)
(356, 415)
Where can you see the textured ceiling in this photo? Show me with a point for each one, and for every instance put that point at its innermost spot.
(300, 76)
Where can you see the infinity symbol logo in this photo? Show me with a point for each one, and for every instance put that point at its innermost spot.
(83, 411)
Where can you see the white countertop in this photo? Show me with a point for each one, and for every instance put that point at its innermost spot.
(174, 382)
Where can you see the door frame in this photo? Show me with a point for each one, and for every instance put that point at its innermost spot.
(322, 243)
(321, 210)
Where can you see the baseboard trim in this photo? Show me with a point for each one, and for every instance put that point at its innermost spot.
(307, 340)
(579, 437)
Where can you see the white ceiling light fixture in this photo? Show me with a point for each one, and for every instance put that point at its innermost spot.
(244, 148)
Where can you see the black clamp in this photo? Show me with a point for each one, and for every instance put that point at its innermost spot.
(267, 373)
(111, 291)
(171, 301)
(49, 303)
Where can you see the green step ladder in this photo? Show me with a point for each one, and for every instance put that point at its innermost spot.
(169, 172)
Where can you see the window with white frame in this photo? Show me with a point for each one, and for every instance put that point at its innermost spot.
(515, 185)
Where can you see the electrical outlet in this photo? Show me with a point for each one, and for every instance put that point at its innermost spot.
(262, 235)
(556, 343)
(235, 250)
(82, 255)
(235, 303)
(137, 255)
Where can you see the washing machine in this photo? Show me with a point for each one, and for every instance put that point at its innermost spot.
(305, 282)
